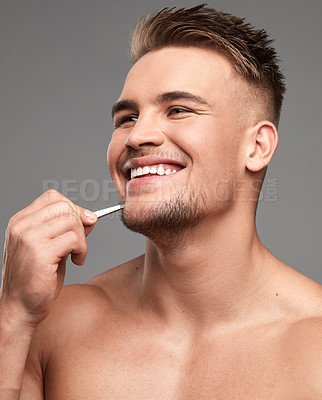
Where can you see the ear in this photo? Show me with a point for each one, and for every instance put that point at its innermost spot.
(262, 143)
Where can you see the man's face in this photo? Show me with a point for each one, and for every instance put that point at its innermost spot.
(177, 145)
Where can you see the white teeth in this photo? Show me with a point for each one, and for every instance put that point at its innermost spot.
(151, 170)
(139, 171)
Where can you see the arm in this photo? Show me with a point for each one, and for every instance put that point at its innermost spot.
(38, 242)
(14, 345)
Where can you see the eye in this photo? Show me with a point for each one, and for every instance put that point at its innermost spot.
(180, 111)
(125, 121)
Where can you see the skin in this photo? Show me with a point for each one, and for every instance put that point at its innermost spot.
(207, 313)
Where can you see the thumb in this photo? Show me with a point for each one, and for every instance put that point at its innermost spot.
(88, 229)
(87, 217)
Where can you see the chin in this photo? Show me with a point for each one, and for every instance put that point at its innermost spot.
(164, 221)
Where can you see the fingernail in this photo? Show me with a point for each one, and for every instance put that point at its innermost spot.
(90, 214)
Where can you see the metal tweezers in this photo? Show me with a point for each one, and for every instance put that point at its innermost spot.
(109, 210)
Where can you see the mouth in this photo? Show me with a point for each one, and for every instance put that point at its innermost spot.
(146, 166)
(152, 170)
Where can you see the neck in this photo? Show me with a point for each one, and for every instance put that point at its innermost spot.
(212, 277)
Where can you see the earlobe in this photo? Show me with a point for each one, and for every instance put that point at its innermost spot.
(263, 142)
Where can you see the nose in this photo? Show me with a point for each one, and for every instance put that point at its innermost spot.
(145, 132)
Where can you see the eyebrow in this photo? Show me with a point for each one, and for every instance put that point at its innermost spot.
(124, 105)
(161, 98)
(179, 95)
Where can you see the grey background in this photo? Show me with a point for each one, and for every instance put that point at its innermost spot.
(63, 64)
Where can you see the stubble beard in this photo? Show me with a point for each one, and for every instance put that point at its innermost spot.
(168, 222)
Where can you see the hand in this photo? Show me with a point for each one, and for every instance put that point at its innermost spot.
(38, 241)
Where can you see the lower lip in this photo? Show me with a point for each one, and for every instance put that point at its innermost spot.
(146, 180)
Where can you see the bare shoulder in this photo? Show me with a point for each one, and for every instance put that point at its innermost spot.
(83, 303)
(303, 345)
(303, 336)
(83, 309)
(80, 314)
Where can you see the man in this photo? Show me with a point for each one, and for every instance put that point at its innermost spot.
(208, 312)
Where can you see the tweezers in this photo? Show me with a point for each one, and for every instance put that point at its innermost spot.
(109, 210)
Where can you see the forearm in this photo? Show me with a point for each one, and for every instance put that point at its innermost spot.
(14, 345)
(33, 278)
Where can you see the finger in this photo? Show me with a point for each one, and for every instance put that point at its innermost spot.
(67, 218)
(88, 229)
(87, 217)
(49, 197)
(44, 223)
(61, 210)
(61, 272)
(54, 228)
(69, 243)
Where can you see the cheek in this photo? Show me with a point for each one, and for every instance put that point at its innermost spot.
(109, 156)
(215, 151)
(207, 143)
(113, 153)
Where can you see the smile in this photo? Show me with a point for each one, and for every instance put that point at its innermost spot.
(152, 170)
(149, 166)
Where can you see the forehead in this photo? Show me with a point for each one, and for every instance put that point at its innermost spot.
(200, 71)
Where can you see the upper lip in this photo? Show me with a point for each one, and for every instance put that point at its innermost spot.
(149, 160)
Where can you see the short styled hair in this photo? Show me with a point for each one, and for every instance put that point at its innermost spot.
(249, 49)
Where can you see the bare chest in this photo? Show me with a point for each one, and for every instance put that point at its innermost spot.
(156, 369)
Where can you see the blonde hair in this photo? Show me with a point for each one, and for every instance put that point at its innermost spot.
(249, 49)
